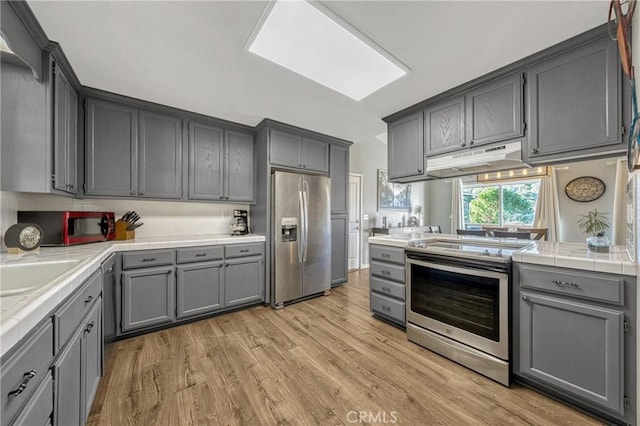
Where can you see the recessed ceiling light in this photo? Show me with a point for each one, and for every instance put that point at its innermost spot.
(313, 41)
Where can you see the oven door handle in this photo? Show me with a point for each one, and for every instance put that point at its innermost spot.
(459, 270)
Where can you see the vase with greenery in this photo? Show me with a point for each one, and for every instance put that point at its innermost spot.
(594, 224)
(417, 210)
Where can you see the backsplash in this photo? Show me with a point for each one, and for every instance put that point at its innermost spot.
(160, 218)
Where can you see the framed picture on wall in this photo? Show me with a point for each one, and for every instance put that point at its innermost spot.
(392, 196)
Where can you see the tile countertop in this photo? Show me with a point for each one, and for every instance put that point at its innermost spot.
(20, 313)
(564, 255)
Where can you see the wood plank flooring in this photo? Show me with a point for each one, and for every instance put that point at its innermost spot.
(323, 361)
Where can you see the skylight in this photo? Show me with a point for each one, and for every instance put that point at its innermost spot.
(304, 39)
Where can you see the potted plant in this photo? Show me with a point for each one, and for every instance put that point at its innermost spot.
(594, 223)
(418, 211)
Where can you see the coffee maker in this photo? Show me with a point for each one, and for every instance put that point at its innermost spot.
(240, 225)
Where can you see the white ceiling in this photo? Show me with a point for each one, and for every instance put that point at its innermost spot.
(191, 55)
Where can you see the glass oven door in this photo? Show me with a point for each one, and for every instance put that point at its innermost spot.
(465, 304)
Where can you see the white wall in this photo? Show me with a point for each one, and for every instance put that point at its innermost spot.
(160, 218)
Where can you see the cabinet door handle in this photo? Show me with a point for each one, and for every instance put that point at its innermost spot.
(386, 289)
(25, 379)
(525, 298)
(385, 272)
(565, 284)
(201, 254)
(533, 150)
(419, 170)
(89, 327)
(88, 300)
(386, 255)
(386, 308)
(471, 143)
(141, 192)
(133, 193)
(226, 198)
(244, 251)
(463, 143)
(304, 166)
(222, 197)
(148, 259)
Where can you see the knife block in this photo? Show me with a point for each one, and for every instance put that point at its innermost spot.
(122, 233)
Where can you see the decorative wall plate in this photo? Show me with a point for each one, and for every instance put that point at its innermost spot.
(585, 188)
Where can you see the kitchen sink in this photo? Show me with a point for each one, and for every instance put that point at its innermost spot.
(21, 278)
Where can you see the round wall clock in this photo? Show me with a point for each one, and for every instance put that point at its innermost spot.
(585, 188)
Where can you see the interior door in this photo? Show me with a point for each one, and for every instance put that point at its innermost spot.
(355, 188)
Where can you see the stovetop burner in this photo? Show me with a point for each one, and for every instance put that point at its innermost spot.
(490, 250)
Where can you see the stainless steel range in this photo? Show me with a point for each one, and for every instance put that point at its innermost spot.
(458, 293)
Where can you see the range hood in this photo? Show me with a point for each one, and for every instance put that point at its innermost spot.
(474, 161)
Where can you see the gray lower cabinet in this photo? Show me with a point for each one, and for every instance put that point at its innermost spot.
(339, 249)
(387, 283)
(574, 337)
(243, 281)
(159, 156)
(573, 103)
(39, 408)
(199, 288)
(148, 297)
(406, 147)
(78, 370)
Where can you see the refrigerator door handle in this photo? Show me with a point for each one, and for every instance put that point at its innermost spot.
(305, 198)
(302, 216)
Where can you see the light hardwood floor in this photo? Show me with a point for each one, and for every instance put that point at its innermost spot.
(317, 362)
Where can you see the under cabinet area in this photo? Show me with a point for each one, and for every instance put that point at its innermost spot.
(574, 337)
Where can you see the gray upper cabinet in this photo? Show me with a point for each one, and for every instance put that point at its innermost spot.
(339, 173)
(573, 346)
(221, 164)
(206, 168)
(494, 111)
(299, 152)
(160, 156)
(65, 133)
(406, 147)
(111, 146)
(444, 126)
(148, 297)
(239, 167)
(573, 103)
(131, 152)
(314, 155)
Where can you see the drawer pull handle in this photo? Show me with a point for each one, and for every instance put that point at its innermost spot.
(387, 289)
(201, 254)
(385, 272)
(244, 251)
(89, 299)
(386, 255)
(386, 308)
(565, 284)
(25, 379)
(525, 298)
(148, 259)
(89, 327)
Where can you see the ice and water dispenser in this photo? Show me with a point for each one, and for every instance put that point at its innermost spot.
(289, 229)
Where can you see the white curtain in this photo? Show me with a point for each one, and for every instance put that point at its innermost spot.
(618, 219)
(547, 207)
(457, 215)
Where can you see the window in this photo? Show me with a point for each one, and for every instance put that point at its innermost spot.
(507, 204)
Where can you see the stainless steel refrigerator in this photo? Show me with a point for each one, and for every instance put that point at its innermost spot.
(301, 236)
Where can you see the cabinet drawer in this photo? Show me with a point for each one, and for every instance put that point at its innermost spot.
(199, 254)
(388, 307)
(143, 259)
(239, 250)
(69, 316)
(388, 288)
(39, 408)
(606, 288)
(387, 254)
(24, 370)
(387, 270)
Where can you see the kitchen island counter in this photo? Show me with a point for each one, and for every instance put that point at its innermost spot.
(20, 313)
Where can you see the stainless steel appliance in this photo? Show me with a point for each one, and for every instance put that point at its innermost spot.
(64, 228)
(458, 301)
(301, 236)
(240, 225)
